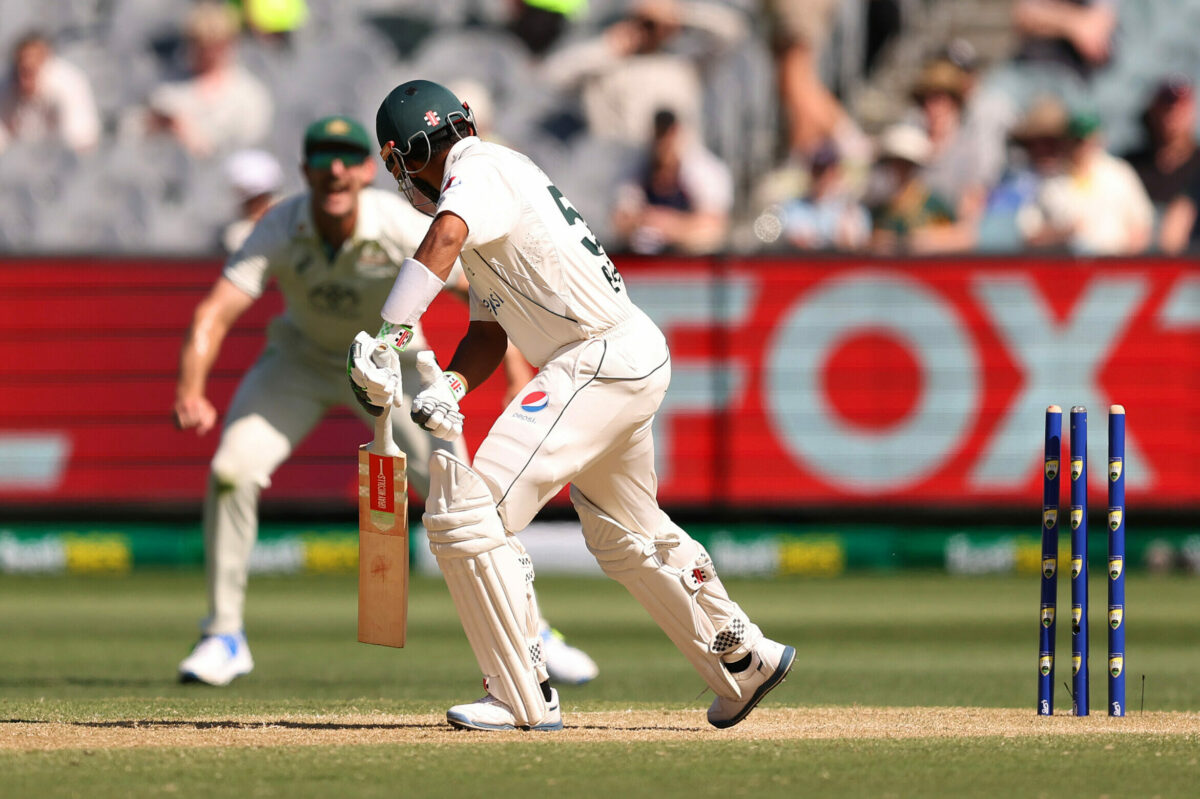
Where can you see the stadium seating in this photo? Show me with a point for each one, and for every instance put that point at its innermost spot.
(135, 195)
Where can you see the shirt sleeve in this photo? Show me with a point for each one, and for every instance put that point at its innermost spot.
(477, 193)
(249, 268)
(707, 182)
(76, 107)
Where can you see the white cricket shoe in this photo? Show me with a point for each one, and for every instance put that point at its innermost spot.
(566, 664)
(770, 662)
(489, 713)
(217, 660)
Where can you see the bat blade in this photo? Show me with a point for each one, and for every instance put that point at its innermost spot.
(382, 548)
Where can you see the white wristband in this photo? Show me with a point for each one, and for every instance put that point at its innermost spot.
(415, 288)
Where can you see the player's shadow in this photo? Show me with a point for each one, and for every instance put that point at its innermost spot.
(151, 724)
(628, 728)
(255, 725)
(84, 682)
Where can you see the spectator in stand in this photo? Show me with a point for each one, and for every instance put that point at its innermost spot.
(630, 71)
(1097, 206)
(682, 198)
(906, 215)
(955, 168)
(46, 97)
(540, 23)
(256, 178)
(987, 115)
(1039, 139)
(273, 21)
(479, 99)
(1075, 35)
(1168, 163)
(827, 217)
(219, 106)
(801, 28)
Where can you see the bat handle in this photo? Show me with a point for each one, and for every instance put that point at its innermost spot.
(384, 443)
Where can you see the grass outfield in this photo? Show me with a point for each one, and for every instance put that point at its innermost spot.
(90, 705)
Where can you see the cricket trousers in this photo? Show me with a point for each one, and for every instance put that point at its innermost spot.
(586, 419)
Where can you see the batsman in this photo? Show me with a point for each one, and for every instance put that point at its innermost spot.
(537, 275)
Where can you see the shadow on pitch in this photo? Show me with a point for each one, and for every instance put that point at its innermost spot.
(627, 728)
(83, 682)
(152, 724)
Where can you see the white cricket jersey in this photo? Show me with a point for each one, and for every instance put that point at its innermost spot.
(533, 264)
(329, 298)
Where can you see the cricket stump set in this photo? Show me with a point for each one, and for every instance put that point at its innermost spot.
(1079, 563)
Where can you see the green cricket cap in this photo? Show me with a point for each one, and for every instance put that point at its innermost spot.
(1083, 124)
(336, 137)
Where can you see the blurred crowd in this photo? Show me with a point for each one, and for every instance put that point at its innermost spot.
(680, 126)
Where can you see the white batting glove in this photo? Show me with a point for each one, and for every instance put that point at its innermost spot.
(435, 407)
(374, 371)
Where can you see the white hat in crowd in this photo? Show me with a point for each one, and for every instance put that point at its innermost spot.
(905, 142)
(253, 172)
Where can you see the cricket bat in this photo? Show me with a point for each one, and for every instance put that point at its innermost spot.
(382, 538)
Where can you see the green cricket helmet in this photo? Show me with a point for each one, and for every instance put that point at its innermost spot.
(417, 120)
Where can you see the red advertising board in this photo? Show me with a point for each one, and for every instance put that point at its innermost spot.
(835, 382)
(796, 382)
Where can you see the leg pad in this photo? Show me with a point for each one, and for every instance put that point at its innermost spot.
(490, 578)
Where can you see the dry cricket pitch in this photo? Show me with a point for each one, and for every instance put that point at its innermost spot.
(625, 726)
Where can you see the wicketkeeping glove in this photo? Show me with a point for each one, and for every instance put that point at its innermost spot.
(373, 368)
(435, 407)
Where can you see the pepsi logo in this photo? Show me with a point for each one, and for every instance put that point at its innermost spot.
(535, 401)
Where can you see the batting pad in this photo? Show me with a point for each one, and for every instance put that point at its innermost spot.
(673, 578)
(491, 583)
